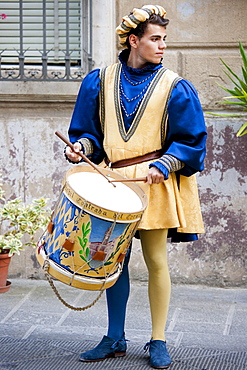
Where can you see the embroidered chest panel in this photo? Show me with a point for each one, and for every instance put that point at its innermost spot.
(161, 85)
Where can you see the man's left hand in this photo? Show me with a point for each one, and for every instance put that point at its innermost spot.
(155, 176)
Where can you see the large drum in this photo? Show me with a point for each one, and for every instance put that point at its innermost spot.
(91, 228)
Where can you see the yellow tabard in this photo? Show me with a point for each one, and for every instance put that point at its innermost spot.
(168, 205)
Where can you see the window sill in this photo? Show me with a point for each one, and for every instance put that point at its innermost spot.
(39, 91)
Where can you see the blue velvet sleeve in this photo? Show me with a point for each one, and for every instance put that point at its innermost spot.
(85, 122)
(186, 132)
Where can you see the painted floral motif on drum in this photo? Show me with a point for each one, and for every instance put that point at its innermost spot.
(98, 245)
(95, 237)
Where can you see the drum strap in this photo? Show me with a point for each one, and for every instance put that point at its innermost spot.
(135, 160)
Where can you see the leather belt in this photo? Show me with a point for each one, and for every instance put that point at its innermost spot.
(135, 160)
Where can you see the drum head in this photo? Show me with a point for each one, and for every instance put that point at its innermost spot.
(93, 187)
(96, 189)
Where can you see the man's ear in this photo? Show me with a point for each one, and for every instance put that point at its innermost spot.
(133, 41)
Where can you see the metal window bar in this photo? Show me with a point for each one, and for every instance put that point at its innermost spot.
(45, 68)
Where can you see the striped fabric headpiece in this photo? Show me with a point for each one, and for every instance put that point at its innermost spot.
(135, 17)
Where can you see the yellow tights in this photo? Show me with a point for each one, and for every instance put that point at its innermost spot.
(159, 283)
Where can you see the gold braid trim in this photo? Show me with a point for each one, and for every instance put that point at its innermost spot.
(87, 146)
(171, 163)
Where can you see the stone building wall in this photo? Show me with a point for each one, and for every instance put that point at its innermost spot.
(199, 33)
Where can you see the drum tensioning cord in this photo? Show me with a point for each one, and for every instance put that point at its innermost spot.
(50, 281)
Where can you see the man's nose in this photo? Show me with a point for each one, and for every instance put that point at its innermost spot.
(162, 45)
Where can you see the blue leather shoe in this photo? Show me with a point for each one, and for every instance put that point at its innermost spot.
(159, 356)
(108, 347)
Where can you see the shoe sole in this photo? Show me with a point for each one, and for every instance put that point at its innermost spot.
(112, 355)
(161, 367)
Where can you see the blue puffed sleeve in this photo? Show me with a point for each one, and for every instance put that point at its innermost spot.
(186, 131)
(85, 122)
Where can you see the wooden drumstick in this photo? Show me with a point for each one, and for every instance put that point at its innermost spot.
(131, 180)
(63, 138)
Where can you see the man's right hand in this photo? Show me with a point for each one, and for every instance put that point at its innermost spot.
(72, 155)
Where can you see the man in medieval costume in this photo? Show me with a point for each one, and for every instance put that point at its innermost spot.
(142, 119)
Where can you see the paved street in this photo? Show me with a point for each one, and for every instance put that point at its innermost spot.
(206, 328)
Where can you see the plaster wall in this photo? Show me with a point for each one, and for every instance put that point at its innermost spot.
(32, 162)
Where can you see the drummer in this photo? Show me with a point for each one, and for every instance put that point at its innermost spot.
(150, 119)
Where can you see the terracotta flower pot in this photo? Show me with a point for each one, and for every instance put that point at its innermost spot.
(4, 268)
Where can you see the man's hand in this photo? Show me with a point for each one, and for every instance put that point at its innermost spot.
(155, 176)
(72, 154)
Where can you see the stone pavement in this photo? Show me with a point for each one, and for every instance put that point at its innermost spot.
(206, 329)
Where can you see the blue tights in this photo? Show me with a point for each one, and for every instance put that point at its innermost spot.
(117, 298)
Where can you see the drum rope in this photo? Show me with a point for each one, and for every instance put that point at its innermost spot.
(46, 267)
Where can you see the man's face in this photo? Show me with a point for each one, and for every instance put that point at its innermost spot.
(151, 46)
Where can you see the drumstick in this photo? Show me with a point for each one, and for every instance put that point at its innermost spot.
(62, 137)
(131, 180)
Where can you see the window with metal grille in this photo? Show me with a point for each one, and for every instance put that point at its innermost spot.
(45, 39)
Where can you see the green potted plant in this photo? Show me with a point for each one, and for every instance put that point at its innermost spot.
(18, 226)
(238, 93)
